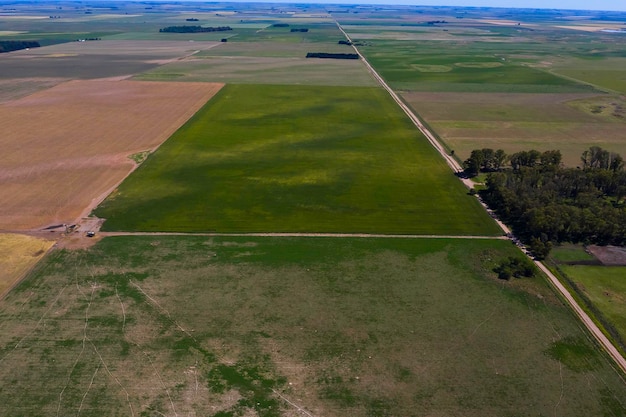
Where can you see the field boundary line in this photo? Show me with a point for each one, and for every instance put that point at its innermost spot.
(604, 342)
(297, 234)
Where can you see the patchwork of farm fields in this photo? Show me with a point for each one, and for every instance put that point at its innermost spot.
(158, 325)
(139, 322)
(297, 159)
(65, 146)
(95, 59)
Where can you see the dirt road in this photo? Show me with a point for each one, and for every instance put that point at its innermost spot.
(456, 167)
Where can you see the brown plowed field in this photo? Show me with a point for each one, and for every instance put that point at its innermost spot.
(64, 147)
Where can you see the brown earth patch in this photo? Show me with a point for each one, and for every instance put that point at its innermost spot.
(65, 148)
(609, 255)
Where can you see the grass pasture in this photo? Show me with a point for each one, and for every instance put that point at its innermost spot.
(296, 159)
(158, 325)
(18, 253)
(513, 122)
(605, 287)
(91, 127)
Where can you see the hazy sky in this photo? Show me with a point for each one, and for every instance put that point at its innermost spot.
(543, 4)
(619, 5)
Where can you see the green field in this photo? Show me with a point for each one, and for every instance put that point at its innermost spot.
(605, 287)
(604, 71)
(296, 159)
(159, 325)
(460, 67)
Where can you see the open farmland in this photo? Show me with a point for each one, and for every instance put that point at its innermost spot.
(513, 122)
(296, 159)
(159, 325)
(19, 254)
(604, 287)
(95, 59)
(66, 146)
(460, 67)
(264, 70)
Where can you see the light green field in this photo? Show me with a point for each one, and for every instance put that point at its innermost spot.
(297, 159)
(514, 122)
(158, 325)
(605, 72)
(606, 289)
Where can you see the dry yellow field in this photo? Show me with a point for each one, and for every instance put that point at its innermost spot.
(18, 253)
(66, 147)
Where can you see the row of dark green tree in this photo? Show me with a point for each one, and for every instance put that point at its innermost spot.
(8, 46)
(194, 29)
(545, 203)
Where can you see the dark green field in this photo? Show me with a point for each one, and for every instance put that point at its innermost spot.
(218, 327)
(296, 159)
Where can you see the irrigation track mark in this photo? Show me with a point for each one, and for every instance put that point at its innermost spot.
(82, 350)
(163, 310)
(38, 323)
(117, 294)
(288, 234)
(80, 407)
(106, 368)
(297, 407)
(604, 342)
(167, 391)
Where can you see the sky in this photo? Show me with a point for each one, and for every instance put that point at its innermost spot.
(609, 5)
(619, 5)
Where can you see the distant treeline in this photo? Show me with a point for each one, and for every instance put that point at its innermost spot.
(194, 29)
(280, 25)
(8, 46)
(331, 56)
(300, 30)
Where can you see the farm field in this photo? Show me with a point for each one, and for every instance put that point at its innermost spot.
(19, 254)
(65, 146)
(605, 287)
(95, 59)
(270, 56)
(151, 324)
(515, 122)
(604, 70)
(460, 67)
(528, 82)
(264, 70)
(296, 159)
(268, 326)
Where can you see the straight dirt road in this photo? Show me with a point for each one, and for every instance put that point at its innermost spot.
(604, 342)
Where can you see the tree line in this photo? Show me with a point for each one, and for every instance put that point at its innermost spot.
(545, 203)
(8, 46)
(194, 29)
(331, 55)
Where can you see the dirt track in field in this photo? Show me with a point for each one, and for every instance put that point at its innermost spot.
(65, 147)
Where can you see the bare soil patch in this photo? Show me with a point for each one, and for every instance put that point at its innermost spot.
(66, 147)
(609, 255)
